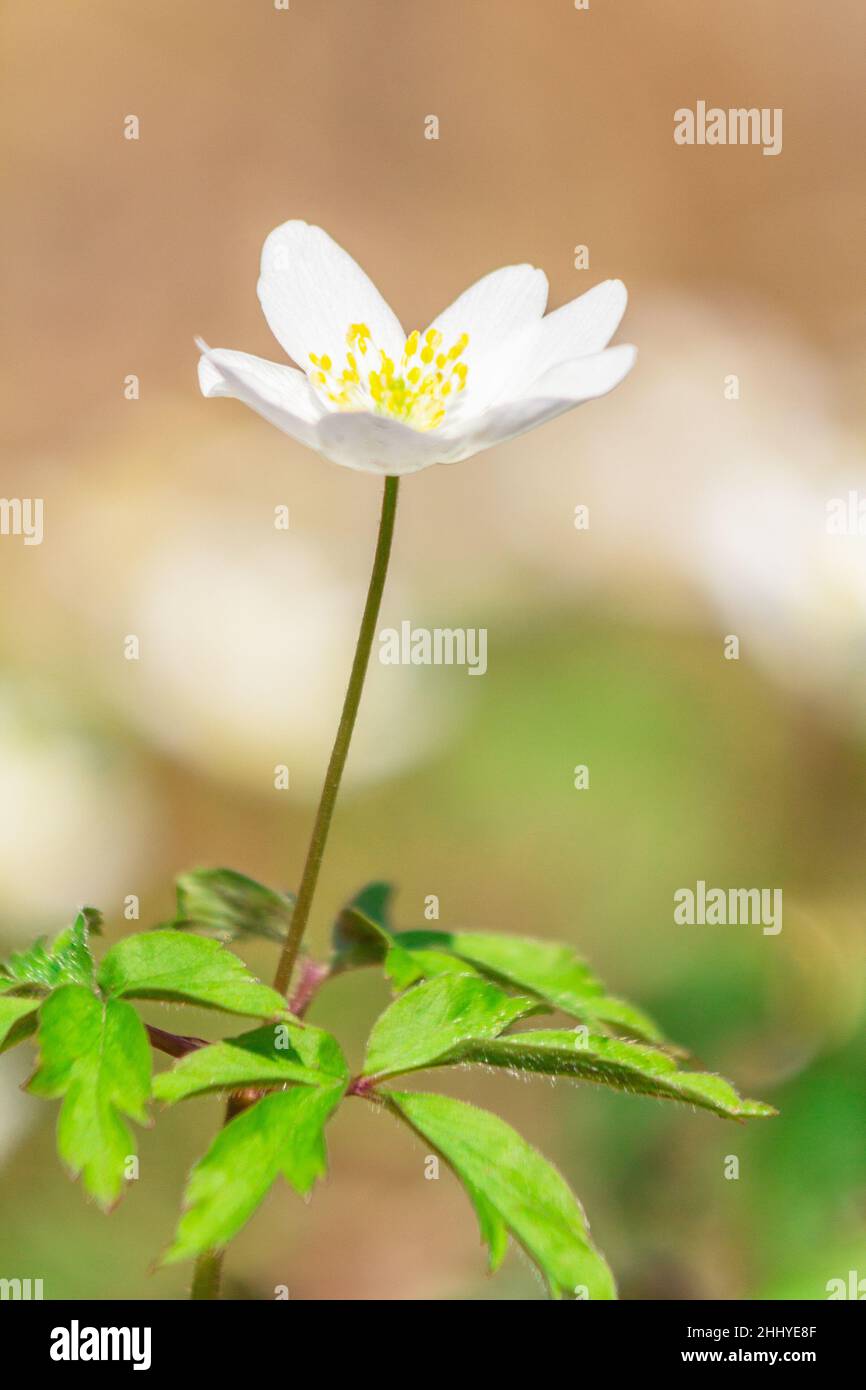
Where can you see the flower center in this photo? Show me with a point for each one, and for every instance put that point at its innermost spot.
(417, 390)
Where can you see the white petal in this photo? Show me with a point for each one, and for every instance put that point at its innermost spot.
(311, 291)
(281, 394)
(502, 303)
(582, 327)
(376, 443)
(586, 378)
(563, 387)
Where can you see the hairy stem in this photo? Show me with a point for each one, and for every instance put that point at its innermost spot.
(312, 976)
(333, 776)
(208, 1267)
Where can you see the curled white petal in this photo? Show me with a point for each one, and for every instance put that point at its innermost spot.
(280, 394)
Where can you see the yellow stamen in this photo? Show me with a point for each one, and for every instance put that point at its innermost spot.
(417, 394)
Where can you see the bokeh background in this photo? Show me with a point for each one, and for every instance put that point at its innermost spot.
(707, 518)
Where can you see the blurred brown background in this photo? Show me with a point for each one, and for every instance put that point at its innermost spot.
(707, 518)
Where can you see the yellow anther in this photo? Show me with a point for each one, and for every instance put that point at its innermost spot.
(416, 394)
(358, 333)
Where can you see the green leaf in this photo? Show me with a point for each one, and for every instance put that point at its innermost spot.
(94, 1053)
(34, 966)
(550, 970)
(514, 1191)
(404, 968)
(362, 932)
(272, 1056)
(17, 1019)
(363, 935)
(229, 905)
(67, 961)
(431, 1019)
(185, 969)
(626, 1066)
(281, 1134)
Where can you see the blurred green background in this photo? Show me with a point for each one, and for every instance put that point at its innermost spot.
(707, 518)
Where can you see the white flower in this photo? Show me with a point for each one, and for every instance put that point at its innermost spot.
(487, 369)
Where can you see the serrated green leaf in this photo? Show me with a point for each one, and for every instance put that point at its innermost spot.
(95, 1054)
(230, 904)
(625, 1066)
(185, 969)
(17, 1019)
(513, 1189)
(33, 966)
(626, 1018)
(272, 1056)
(281, 1134)
(66, 961)
(431, 1019)
(550, 970)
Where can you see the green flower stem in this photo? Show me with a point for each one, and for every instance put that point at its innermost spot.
(334, 774)
(208, 1266)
